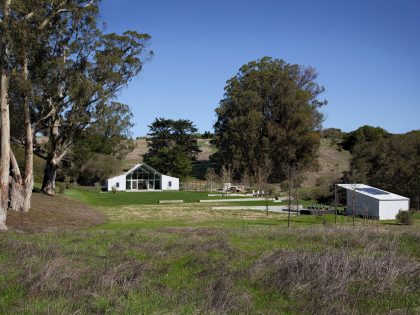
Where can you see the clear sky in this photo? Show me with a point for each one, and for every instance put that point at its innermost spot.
(367, 53)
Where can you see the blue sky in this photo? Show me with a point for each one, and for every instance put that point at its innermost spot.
(367, 54)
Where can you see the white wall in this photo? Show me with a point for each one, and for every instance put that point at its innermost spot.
(389, 208)
(170, 183)
(382, 209)
(112, 182)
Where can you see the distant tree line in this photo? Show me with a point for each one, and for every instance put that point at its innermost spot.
(387, 161)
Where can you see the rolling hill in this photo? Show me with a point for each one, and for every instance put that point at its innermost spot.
(332, 160)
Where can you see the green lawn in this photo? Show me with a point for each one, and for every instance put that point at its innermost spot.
(189, 259)
(109, 199)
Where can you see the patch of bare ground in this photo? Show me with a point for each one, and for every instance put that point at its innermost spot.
(56, 213)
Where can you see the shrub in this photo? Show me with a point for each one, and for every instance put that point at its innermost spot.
(114, 189)
(405, 217)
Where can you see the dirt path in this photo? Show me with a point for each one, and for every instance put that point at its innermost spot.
(54, 214)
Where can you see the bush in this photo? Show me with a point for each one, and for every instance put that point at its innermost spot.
(114, 189)
(405, 217)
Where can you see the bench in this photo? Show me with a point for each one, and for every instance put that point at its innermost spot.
(171, 201)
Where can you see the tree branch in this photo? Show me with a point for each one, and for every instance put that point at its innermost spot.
(14, 166)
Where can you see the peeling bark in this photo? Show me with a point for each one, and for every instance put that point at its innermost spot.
(21, 187)
(50, 173)
(5, 122)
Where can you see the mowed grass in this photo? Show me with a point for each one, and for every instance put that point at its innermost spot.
(109, 199)
(189, 259)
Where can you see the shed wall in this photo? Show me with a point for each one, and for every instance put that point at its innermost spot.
(363, 204)
(390, 208)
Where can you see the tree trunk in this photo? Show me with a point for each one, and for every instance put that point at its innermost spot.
(21, 188)
(5, 122)
(20, 195)
(5, 150)
(50, 173)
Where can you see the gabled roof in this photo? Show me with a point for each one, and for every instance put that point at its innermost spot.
(372, 192)
(144, 165)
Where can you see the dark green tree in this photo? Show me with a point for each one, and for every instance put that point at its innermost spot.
(362, 135)
(172, 146)
(269, 113)
(391, 163)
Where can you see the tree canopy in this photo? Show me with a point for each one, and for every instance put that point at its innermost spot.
(172, 146)
(76, 72)
(362, 135)
(269, 119)
(109, 136)
(391, 163)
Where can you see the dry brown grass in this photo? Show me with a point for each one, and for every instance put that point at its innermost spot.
(187, 213)
(343, 279)
(56, 213)
(332, 164)
(225, 297)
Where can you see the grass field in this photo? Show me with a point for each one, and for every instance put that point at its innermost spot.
(188, 259)
(108, 199)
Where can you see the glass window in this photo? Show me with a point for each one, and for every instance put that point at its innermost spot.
(157, 184)
(128, 185)
(169, 184)
(117, 185)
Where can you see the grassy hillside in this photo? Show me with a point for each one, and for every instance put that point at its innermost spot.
(199, 167)
(189, 259)
(332, 161)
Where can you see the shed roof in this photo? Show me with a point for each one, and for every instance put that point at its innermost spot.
(372, 192)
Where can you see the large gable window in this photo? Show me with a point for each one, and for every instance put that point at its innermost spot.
(143, 178)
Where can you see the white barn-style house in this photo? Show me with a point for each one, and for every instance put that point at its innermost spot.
(373, 202)
(142, 177)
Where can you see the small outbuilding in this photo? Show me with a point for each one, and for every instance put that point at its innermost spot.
(374, 203)
(142, 177)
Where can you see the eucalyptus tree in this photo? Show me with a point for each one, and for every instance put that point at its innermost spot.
(110, 135)
(82, 71)
(270, 112)
(5, 22)
(22, 23)
(33, 22)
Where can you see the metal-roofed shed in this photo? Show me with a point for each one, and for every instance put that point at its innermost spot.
(374, 202)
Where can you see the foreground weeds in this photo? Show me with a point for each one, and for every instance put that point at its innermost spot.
(211, 268)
